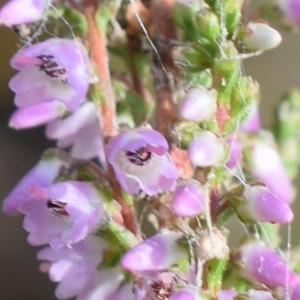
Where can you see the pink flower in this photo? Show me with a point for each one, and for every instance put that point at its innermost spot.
(264, 206)
(36, 114)
(63, 214)
(42, 175)
(156, 253)
(16, 12)
(140, 160)
(291, 8)
(56, 69)
(73, 267)
(263, 265)
(189, 199)
(80, 131)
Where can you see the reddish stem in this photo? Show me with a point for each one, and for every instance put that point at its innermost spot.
(99, 55)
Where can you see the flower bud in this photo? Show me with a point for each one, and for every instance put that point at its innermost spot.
(208, 24)
(260, 264)
(198, 104)
(206, 149)
(261, 37)
(189, 199)
(252, 121)
(266, 164)
(156, 253)
(263, 206)
(235, 153)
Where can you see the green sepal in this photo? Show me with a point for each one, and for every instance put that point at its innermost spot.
(213, 273)
(116, 234)
(183, 16)
(245, 91)
(77, 21)
(209, 25)
(202, 78)
(183, 133)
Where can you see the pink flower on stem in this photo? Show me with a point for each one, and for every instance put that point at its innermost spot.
(80, 131)
(226, 294)
(264, 206)
(42, 175)
(73, 267)
(267, 166)
(262, 265)
(156, 253)
(36, 114)
(186, 294)
(57, 69)
(63, 214)
(235, 153)
(189, 199)
(16, 12)
(141, 161)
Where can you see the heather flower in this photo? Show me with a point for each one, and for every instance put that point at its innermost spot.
(42, 175)
(198, 104)
(63, 214)
(36, 114)
(80, 131)
(156, 253)
(189, 199)
(263, 206)
(73, 267)
(295, 292)
(16, 12)
(186, 294)
(262, 265)
(140, 160)
(260, 36)
(267, 166)
(206, 149)
(56, 69)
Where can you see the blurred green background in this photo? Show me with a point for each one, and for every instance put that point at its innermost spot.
(276, 71)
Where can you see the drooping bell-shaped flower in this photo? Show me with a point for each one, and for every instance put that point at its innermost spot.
(189, 199)
(17, 12)
(141, 161)
(63, 214)
(42, 175)
(74, 268)
(260, 264)
(259, 36)
(263, 206)
(267, 166)
(56, 69)
(198, 104)
(36, 114)
(291, 10)
(80, 131)
(156, 253)
(206, 149)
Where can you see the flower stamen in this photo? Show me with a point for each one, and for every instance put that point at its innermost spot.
(52, 68)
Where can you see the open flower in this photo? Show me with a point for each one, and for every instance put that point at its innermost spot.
(63, 214)
(73, 267)
(80, 131)
(16, 12)
(140, 160)
(56, 69)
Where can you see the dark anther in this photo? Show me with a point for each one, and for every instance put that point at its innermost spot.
(51, 68)
(139, 157)
(57, 207)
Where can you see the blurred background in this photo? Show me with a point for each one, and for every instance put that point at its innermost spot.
(276, 71)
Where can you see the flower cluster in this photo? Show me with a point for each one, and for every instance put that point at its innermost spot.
(179, 159)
